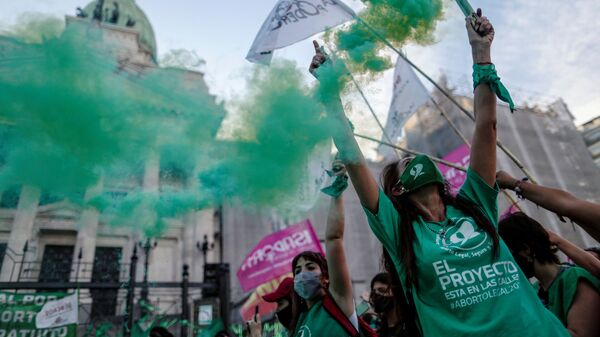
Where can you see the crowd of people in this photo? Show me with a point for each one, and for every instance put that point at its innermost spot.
(452, 268)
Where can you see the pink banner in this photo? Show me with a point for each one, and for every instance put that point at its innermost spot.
(462, 157)
(273, 255)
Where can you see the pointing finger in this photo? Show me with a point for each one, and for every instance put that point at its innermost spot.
(317, 47)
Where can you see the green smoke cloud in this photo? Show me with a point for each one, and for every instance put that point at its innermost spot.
(282, 124)
(71, 116)
(397, 21)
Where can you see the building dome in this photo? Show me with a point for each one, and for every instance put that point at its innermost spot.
(122, 13)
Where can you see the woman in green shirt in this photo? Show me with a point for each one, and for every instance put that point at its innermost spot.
(315, 279)
(460, 276)
(571, 293)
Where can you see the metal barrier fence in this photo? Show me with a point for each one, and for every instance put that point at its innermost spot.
(115, 304)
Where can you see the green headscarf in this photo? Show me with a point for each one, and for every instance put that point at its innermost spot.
(420, 171)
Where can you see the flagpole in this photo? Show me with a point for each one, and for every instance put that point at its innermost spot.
(397, 148)
(412, 152)
(510, 199)
(364, 97)
(450, 122)
(445, 93)
(362, 94)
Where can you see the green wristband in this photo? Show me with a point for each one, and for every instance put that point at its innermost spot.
(487, 74)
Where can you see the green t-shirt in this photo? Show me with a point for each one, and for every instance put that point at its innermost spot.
(563, 289)
(463, 289)
(317, 322)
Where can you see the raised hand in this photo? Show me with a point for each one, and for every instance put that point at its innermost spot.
(317, 60)
(254, 326)
(481, 35)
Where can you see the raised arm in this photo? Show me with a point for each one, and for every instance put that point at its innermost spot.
(340, 284)
(582, 319)
(362, 179)
(582, 258)
(483, 149)
(584, 213)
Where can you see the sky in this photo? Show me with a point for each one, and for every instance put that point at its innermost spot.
(543, 49)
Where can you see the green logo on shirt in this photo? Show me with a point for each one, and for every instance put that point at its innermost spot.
(304, 331)
(464, 239)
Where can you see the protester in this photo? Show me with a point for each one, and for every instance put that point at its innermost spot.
(584, 213)
(322, 302)
(446, 250)
(582, 258)
(570, 292)
(392, 318)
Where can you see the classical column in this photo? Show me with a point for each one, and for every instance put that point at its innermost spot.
(86, 235)
(21, 230)
(151, 181)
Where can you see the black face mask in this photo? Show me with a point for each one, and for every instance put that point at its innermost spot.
(526, 266)
(285, 316)
(381, 304)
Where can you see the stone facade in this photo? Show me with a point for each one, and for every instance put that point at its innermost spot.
(591, 135)
(40, 223)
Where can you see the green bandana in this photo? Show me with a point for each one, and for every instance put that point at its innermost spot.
(420, 171)
(487, 74)
(338, 187)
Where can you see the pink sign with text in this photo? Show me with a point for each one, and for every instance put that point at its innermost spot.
(460, 156)
(273, 255)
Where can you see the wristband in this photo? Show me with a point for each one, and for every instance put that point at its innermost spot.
(486, 73)
(518, 189)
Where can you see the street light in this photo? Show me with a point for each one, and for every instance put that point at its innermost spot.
(205, 247)
(147, 246)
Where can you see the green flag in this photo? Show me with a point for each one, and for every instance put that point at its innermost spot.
(19, 311)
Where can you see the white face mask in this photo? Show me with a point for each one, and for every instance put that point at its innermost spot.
(307, 284)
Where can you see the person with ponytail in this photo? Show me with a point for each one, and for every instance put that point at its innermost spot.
(323, 300)
(455, 270)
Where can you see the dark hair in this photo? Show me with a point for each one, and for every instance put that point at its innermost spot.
(405, 311)
(298, 304)
(521, 232)
(408, 214)
(381, 278)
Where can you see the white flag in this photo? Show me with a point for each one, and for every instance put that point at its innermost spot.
(313, 180)
(409, 96)
(295, 20)
(58, 313)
